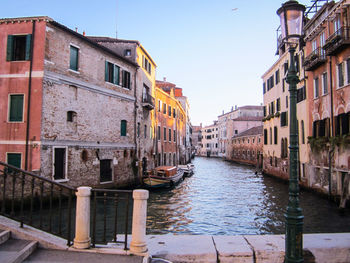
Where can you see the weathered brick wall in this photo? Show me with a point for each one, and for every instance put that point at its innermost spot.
(98, 108)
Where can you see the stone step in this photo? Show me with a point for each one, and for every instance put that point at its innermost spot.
(64, 256)
(16, 250)
(4, 236)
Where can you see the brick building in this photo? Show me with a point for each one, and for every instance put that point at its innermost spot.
(246, 147)
(171, 126)
(67, 105)
(327, 63)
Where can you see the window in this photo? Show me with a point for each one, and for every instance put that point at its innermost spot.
(138, 130)
(169, 135)
(340, 75)
(16, 108)
(174, 136)
(74, 54)
(59, 163)
(126, 79)
(277, 76)
(324, 84)
(284, 119)
(71, 116)
(236, 131)
(285, 66)
(316, 88)
(264, 111)
(278, 104)
(169, 111)
(301, 94)
(164, 108)
(105, 171)
(275, 135)
(322, 42)
(158, 133)
(342, 124)
(145, 132)
(273, 107)
(265, 136)
(14, 159)
(112, 73)
(18, 47)
(123, 127)
(174, 112)
(127, 52)
(314, 45)
(159, 105)
(287, 102)
(146, 65)
(164, 134)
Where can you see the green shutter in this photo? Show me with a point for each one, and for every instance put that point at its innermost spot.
(116, 75)
(9, 54)
(123, 128)
(28, 47)
(106, 70)
(16, 108)
(14, 159)
(73, 58)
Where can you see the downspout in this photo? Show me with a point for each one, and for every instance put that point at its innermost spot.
(332, 132)
(29, 96)
(135, 118)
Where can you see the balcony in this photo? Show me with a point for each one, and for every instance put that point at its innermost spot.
(315, 59)
(337, 41)
(147, 101)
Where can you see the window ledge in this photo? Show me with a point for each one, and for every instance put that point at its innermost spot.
(61, 180)
(73, 71)
(108, 182)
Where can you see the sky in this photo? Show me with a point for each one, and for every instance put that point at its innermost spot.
(215, 50)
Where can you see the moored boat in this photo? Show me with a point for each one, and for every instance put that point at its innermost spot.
(163, 177)
(188, 169)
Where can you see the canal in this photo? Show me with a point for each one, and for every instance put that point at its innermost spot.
(223, 198)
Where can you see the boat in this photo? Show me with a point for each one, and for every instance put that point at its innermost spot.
(188, 169)
(163, 177)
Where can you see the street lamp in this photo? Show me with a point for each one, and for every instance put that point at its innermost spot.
(291, 15)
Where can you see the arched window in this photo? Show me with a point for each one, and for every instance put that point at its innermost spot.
(123, 127)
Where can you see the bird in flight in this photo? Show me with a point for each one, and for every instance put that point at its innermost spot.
(234, 9)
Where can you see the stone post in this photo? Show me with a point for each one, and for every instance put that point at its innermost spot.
(138, 238)
(82, 218)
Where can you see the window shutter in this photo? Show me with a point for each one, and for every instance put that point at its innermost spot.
(28, 47)
(14, 159)
(106, 71)
(116, 75)
(16, 108)
(123, 128)
(9, 53)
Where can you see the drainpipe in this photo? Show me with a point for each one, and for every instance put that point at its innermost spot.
(29, 96)
(332, 131)
(135, 117)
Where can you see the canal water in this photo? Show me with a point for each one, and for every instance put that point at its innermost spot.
(224, 198)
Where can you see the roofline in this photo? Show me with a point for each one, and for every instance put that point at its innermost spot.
(174, 98)
(25, 19)
(93, 43)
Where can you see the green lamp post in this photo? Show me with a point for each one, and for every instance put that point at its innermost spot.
(291, 15)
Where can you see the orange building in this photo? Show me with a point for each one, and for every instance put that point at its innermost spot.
(171, 125)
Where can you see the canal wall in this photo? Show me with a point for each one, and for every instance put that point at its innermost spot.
(320, 248)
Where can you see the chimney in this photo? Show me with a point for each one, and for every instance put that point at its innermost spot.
(232, 108)
(164, 79)
(236, 107)
(76, 29)
(84, 33)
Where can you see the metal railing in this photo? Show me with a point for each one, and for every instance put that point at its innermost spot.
(316, 57)
(147, 98)
(337, 39)
(111, 208)
(37, 201)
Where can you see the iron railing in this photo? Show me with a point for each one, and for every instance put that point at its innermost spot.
(111, 212)
(316, 58)
(338, 39)
(148, 100)
(37, 201)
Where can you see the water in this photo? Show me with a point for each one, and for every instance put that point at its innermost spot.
(223, 198)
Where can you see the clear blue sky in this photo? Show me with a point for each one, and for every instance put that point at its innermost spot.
(216, 54)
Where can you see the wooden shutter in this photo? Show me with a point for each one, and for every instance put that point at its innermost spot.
(106, 70)
(16, 108)
(9, 54)
(28, 46)
(116, 75)
(123, 128)
(14, 159)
